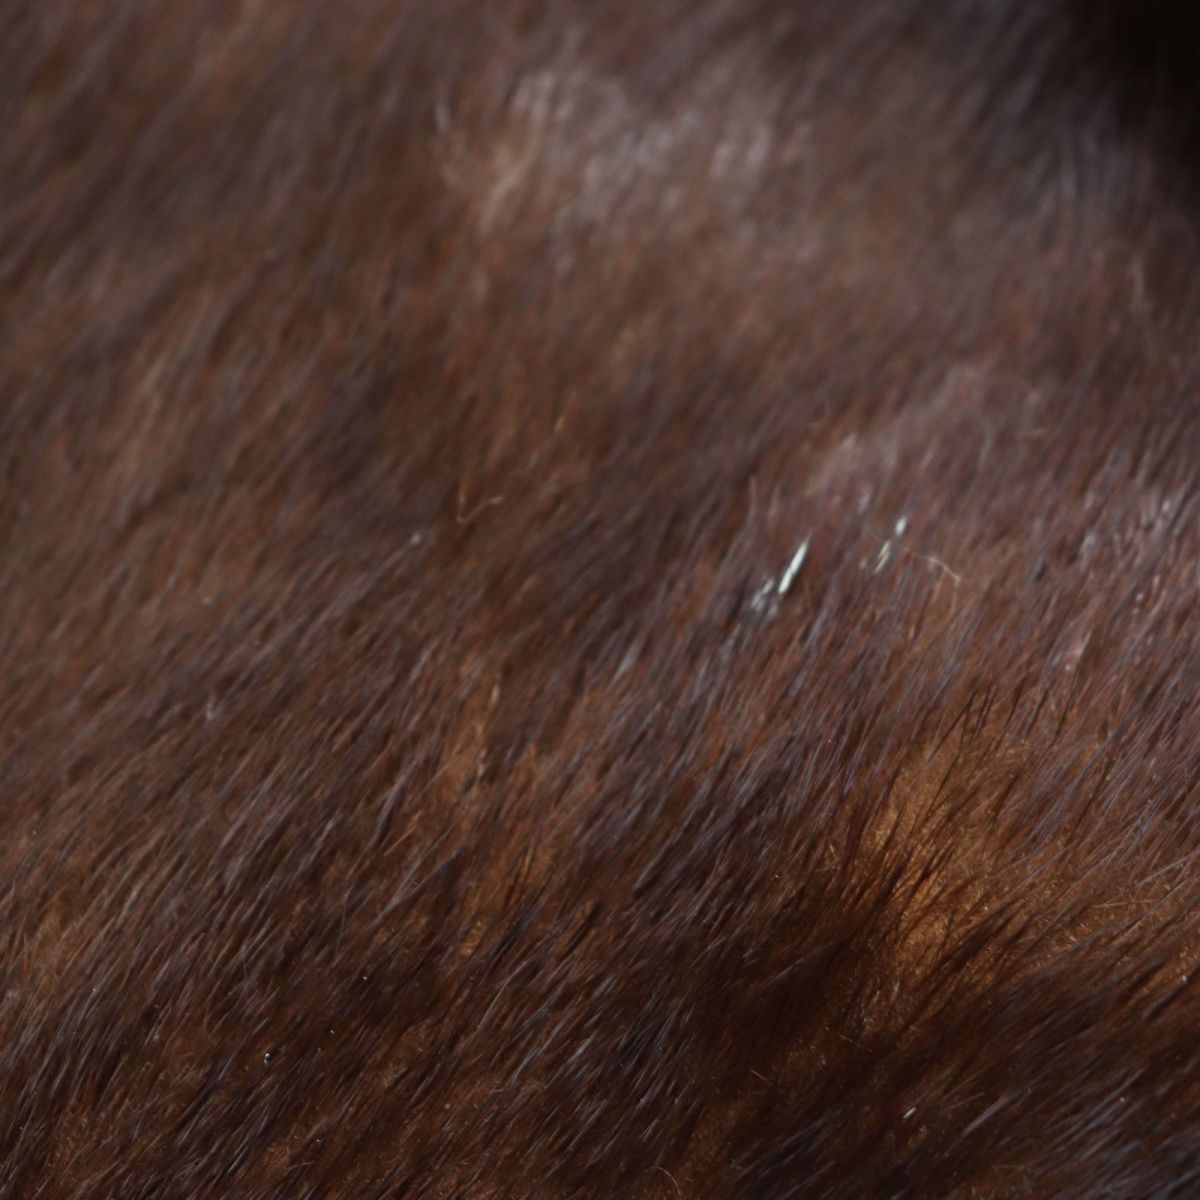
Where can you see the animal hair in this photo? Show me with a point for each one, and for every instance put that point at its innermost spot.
(599, 600)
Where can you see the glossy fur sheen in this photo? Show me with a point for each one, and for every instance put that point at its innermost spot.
(599, 600)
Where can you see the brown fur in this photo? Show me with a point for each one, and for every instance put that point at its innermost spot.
(599, 600)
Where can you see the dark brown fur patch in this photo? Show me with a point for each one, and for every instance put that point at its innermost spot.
(598, 600)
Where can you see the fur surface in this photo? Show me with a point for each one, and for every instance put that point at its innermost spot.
(598, 600)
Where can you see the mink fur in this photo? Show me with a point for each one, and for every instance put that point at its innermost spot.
(599, 600)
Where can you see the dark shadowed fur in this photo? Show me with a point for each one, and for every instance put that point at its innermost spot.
(599, 600)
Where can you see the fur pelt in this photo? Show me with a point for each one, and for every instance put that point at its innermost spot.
(599, 600)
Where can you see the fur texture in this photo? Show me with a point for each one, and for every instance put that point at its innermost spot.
(599, 600)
